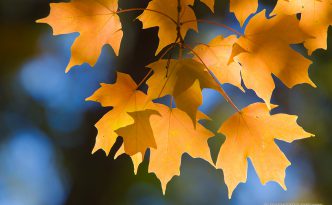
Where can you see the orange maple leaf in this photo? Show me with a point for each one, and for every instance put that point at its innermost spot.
(316, 17)
(251, 134)
(175, 135)
(183, 79)
(97, 23)
(138, 137)
(265, 50)
(243, 8)
(124, 97)
(209, 3)
(168, 22)
(216, 55)
(136, 158)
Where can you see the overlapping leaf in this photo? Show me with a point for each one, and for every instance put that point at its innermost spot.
(95, 20)
(183, 79)
(136, 158)
(316, 17)
(168, 23)
(216, 55)
(138, 136)
(265, 50)
(175, 135)
(251, 134)
(125, 99)
(243, 9)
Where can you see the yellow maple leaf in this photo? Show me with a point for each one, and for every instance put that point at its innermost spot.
(251, 134)
(124, 98)
(209, 3)
(137, 158)
(243, 9)
(175, 135)
(97, 23)
(265, 50)
(216, 55)
(168, 25)
(316, 17)
(138, 137)
(184, 79)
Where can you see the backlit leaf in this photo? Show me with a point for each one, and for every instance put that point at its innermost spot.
(243, 8)
(175, 135)
(125, 99)
(316, 17)
(167, 27)
(96, 22)
(177, 78)
(251, 134)
(266, 50)
(216, 55)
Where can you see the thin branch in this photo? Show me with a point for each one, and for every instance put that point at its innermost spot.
(215, 24)
(169, 49)
(144, 79)
(221, 90)
(171, 102)
(143, 9)
(178, 25)
(162, 56)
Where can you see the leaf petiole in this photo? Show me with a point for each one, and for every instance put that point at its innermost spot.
(221, 90)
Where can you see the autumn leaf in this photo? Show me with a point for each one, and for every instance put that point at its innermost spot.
(95, 21)
(316, 17)
(175, 135)
(183, 79)
(251, 134)
(125, 99)
(209, 3)
(168, 23)
(216, 55)
(137, 158)
(138, 137)
(243, 9)
(265, 50)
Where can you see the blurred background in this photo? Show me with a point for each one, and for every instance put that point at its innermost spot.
(47, 129)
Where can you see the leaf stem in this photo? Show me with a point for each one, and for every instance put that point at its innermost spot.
(171, 102)
(162, 56)
(215, 24)
(221, 90)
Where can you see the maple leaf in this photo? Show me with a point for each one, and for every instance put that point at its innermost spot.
(316, 17)
(216, 55)
(175, 135)
(251, 134)
(184, 79)
(243, 9)
(124, 97)
(97, 23)
(138, 136)
(209, 3)
(168, 23)
(265, 50)
(137, 158)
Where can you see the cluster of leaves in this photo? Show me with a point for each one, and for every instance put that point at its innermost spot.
(264, 49)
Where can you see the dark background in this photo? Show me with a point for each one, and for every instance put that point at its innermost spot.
(47, 131)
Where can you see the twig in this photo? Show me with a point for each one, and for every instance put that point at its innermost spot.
(221, 90)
